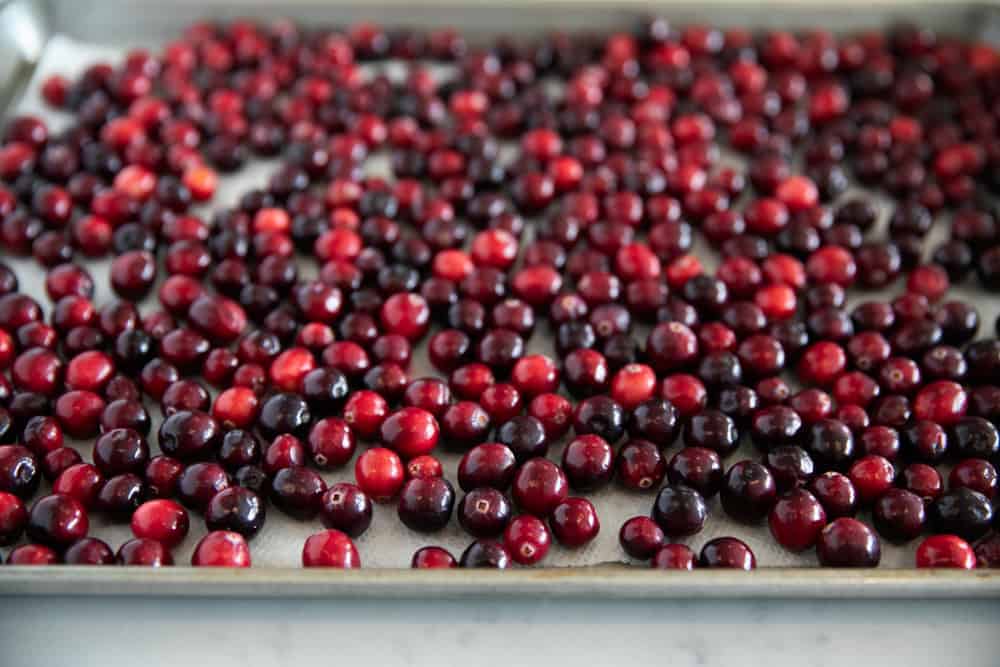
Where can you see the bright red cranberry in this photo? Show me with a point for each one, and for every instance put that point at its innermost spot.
(871, 476)
(943, 402)
(380, 473)
(162, 520)
(365, 411)
(945, 551)
(13, 518)
(330, 548)
(554, 412)
(82, 482)
(221, 548)
(32, 554)
(847, 542)
(527, 539)
(432, 558)
(410, 432)
(674, 557)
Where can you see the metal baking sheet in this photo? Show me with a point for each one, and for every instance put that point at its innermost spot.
(65, 37)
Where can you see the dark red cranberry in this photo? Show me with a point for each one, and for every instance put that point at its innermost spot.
(347, 508)
(796, 520)
(484, 512)
(19, 471)
(727, 552)
(640, 465)
(489, 464)
(235, 509)
(847, 542)
(199, 483)
(899, 515)
(961, 512)
(485, 554)
(57, 521)
(144, 552)
(679, 510)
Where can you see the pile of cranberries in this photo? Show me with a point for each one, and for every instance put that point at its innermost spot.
(543, 193)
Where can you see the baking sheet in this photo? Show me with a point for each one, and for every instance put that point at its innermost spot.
(388, 544)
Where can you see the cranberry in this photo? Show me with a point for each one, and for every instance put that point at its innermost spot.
(57, 521)
(13, 518)
(162, 520)
(485, 554)
(298, 491)
(221, 548)
(847, 542)
(330, 548)
(640, 465)
(539, 486)
(235, 509)
(675, 557)
(144, 552)
(796, 520)
(727, 552)
(379, 473)
(32, 554)
(899, 515)
(945, 551)
(489, 464)
(432, 558)
(574, 522)
(526, 539)
(19, 470)
(961, 512)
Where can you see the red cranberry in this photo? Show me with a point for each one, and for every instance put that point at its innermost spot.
(221, 548)
(526, 539)
(379, 473)
(162, 520)
(432, 558)
(945, 551)
(796, 520)
(574, 522)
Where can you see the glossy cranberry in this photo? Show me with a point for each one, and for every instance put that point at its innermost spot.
(144, 552)
(42, 435)
(830, 443)
(712, 430)
(37, 370)
(32, 554)
(526, 539)
(221, 548)
(189, 435)
(925, 440)
(947, 551)
(81, 481)
(347, 508)
(379, 473)
(671, 346)
(655, 420)
(776, 426)
(846, 542)
(19, 470)
(162, 520)
(679, 510)
(89, 551)
(485, 554)
(13, 518)
(674, 557)
(796, 520)
(484, 512)
(727, 552)
(298, 491)
(235, 509)
(899, 515)
(871, 476)
(574, 522)
(973, 437)
(976, 474)
(57, 521)
(432, 558)
(961, 512)
(487, 465)
(539, 486)
(286, 413)
(836, 492)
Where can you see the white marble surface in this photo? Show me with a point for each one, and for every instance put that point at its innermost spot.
(109, 632)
